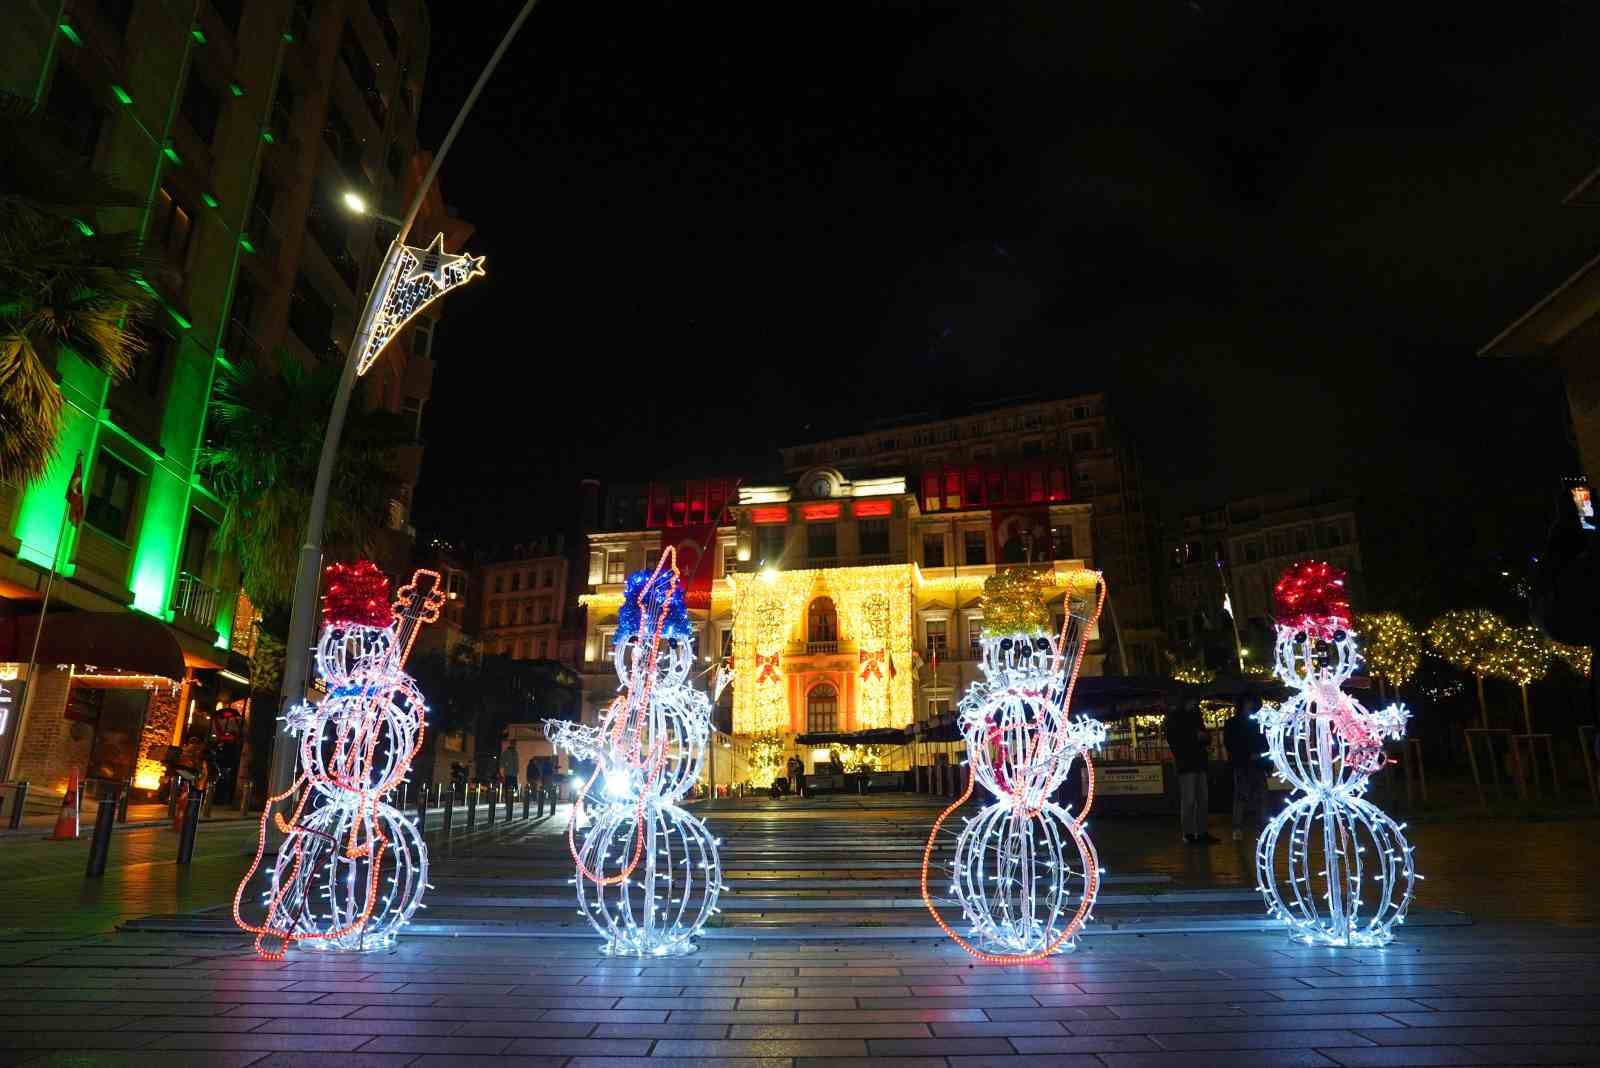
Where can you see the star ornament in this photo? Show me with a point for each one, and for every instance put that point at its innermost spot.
(417, 277)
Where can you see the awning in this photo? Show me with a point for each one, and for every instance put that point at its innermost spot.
(120, 641)
(876, 736)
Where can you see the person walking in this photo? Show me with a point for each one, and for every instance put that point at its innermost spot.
(535, 779)
(1188, 740)
(1247, 748)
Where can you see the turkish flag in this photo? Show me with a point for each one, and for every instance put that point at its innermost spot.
(1022, 534)
(697, 551)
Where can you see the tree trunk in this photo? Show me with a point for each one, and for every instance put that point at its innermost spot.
(1527, 712)
(1483, 709)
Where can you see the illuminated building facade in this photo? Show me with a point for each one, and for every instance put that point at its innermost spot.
(239, 124)
(834, 604)
(949, 464)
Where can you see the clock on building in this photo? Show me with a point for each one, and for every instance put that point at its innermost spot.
(822, 486)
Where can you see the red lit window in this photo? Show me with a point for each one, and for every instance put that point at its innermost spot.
(952, 488)
(825, 510)
(1035, 486)
(974, 486)
(1058, 484)
(930, 491)
(873, 509)
(777, 514)
(996, 480)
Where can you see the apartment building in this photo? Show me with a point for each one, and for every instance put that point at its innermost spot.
(522, 600)
(240, 125)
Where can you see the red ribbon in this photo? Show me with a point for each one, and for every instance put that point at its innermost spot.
(766, 668)
(870, 662)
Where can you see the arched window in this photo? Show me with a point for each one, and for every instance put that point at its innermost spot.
(823, 625)
(822, 709)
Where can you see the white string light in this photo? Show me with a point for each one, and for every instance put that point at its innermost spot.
(415, 278)
(649, 873)
(1346, 877)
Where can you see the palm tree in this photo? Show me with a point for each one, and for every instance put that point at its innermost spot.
(268, 417)
(63, 285)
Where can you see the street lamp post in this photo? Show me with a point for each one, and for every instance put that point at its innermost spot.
(380, 318)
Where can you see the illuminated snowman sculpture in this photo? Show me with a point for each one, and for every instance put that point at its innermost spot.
(1345, 876)
(352, 868)
(648, 872)
(1020, 894)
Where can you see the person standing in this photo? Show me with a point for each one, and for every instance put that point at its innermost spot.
(797, 775)
(1247, 749)
(536, 783)
(1188, 740)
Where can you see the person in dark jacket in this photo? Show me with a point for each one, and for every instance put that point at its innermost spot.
(1188, 740)
(1247, 747)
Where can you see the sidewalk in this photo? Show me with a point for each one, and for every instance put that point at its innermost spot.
(1453, 996)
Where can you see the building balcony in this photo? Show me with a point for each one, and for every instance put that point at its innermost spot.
(821, 648)
(194, 602)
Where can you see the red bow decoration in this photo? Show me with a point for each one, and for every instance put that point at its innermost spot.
(358, 593)
(869, 663)
(766, 668)
(1311, 597)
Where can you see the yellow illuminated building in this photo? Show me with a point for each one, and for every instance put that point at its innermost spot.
(831, 605)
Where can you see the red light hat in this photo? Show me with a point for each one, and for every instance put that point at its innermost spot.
(358, 594)
(1311, 597)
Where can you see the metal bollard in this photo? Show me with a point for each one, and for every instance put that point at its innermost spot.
(123, 797)
(449, 810)
(527, 801)
(191, 824)
(403, 788)
(172, 801)
(422, 807)
(19, 797)
(493, 800)
(100, 845)
(245, 798)
(472, 808)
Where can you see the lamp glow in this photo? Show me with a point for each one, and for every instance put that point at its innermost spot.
(355, 202)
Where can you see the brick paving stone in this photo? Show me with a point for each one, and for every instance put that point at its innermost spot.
(935, 1047)
(464, 1045)
(666, 1030)
(1292, 1038)
(580, 1047)
(289, 1059)
(265, 1043)
(202, 1023)
(1277, 1058)
(1214, 1024)
(513, 1028)
(1460, 1036)
(832, 1016)
(1398, 1056)
(675, 1062)
(163, 1059)
(1054, 1060)
(1002, 1028)
(85, 1038)
(1535, 1054)
(833, 1030)
(747, 1016)
(354, 1026)
(452, 1060)
(816, 1047)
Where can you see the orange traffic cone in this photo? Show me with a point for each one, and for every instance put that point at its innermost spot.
(181, 807)
(67, 820)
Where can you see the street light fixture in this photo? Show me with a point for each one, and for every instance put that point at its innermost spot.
(357, 204)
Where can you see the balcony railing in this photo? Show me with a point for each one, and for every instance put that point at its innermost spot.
(195, 601)
(813, 648)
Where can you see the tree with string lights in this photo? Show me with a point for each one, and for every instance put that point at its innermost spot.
(1523, 656)
(1469, 639)
(1393, 648)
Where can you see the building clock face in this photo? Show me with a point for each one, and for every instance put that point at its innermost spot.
(821, 487)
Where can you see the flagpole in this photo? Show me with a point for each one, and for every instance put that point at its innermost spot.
(1227, 597)
(13, 750)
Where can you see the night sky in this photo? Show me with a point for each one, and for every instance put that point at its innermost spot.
(1276, 232)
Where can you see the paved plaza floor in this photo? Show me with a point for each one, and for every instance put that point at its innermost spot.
(824, 955)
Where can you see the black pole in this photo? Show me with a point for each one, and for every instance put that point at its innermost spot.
(100, 845)
(449, 809)
(19, 797)
(422, 807)
(191, 824)
(494, 799)
(527, 801)
(472, 808)
(122, 801)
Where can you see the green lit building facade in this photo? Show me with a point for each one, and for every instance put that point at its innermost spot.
(239, 124)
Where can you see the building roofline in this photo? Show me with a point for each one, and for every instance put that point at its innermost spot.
(1520, 339)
